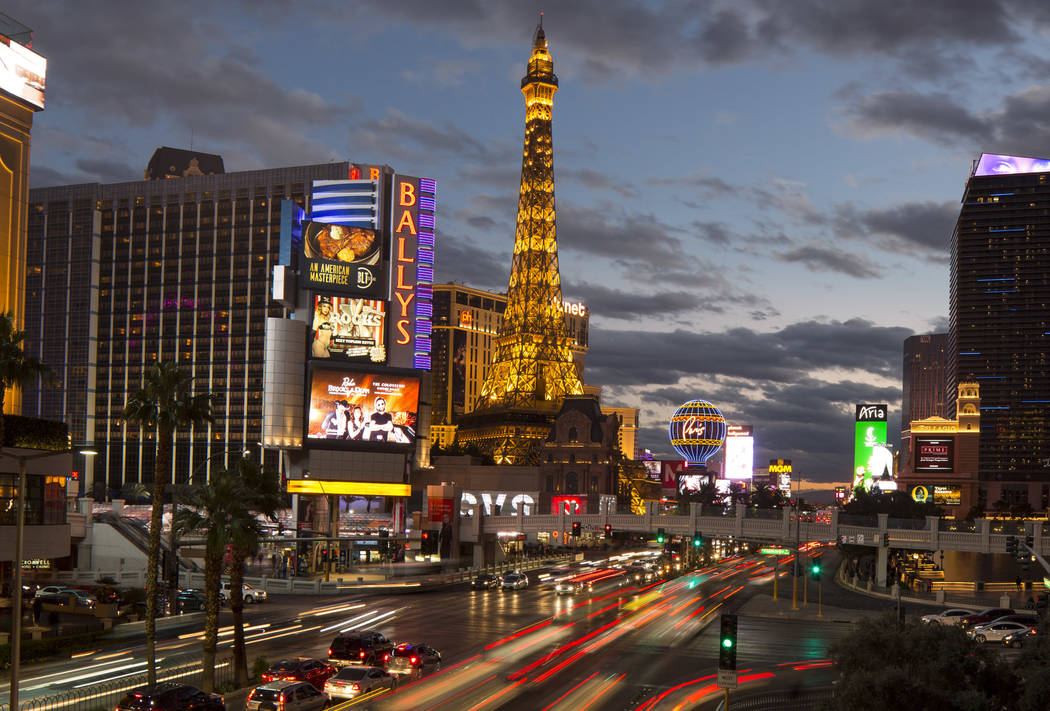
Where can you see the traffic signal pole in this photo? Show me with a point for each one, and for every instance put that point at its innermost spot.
(820, 597)
(776, 576)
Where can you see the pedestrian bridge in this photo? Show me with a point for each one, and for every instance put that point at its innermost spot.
(781, 526)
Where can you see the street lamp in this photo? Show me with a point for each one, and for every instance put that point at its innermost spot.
(16, 606)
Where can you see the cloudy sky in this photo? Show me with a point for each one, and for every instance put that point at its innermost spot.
(755, 197)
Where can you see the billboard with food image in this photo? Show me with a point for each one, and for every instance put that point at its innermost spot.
(353, 407)
(343, 258)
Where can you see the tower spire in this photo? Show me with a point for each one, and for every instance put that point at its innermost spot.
(532, 368)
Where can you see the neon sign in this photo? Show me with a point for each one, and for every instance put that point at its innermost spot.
(412, 266)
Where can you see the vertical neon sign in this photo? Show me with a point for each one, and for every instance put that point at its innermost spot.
(412, 271)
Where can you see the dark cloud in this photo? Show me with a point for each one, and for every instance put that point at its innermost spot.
(107, 171)
(463, 261)
(630, 239)
(623, 357)
(596, 180)
(926, 225)
(615, 36)
(706, 185)
(934, 117)
(623, 304)
(408, 138)
(819, 258)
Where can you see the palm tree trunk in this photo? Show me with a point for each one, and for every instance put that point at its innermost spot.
(165, 442)
(2, 397)
(240, 655)
(212, 580)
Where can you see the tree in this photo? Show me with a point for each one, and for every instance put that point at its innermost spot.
(895, 503)
(209, 512)
(886, 664)
(16, 368)
(765, 496)
(261, 496)
(134, 492)
(99, 491)
(164, 403)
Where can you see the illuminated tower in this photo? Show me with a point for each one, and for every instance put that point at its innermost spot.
(532, 368)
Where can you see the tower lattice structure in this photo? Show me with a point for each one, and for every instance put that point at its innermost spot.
(532, 368)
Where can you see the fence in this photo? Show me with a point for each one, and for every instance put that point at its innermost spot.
(106, 694)
(798, 700)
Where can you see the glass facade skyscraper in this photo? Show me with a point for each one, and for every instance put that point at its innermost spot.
(1000, 319)
(124, 275)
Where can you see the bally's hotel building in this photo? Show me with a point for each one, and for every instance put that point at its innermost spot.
(177, 266)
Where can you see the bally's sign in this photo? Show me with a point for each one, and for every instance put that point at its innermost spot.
(872, 413)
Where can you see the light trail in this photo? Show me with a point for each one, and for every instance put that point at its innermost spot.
(351, 620)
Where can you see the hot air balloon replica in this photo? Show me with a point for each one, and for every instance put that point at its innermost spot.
(697, 430)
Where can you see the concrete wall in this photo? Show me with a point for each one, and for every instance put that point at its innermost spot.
(111, 550)
(48, 542)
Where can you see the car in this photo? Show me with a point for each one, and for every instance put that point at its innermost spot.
(249, 593)
(413, 660)
(86, 599)
(170, 696)
(514, 581)
(102, 593)
(359, 648)
(1020, 637)
(188, 601)
(997, 630)
(951, 616)
(485, 582)
(351, 682)
(67, 598)
(313, 671)
(1030, 620)
(286, 696)
(985, 616)
(49, 590)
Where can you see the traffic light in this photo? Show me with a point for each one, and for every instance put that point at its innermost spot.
(886, 539)
(727, 643)
(1011, 545)
(608, 530)
(576, 529)
(698, 539)
(660, 537)
(1029, 541)
(814, 569)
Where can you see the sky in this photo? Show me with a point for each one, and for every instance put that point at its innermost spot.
(754, 198)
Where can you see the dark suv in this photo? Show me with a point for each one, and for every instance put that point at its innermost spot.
(170, 696)
(367, 648)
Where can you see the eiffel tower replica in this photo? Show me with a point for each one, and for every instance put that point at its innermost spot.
(532, 369)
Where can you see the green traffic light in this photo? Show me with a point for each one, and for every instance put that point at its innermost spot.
(697, 542)
(659, 539)
(727, 643)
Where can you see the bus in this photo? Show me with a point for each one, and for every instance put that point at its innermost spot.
(593, 582)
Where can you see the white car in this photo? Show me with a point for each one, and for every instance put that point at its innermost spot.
(514, 581)
(350, 682)
(50, 590)
(995, 631)
(250, 594)
(948, 617)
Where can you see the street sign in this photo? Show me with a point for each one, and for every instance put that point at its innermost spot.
(727, 678)
(773, 551)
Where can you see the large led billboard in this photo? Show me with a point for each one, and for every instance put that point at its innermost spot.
(938, 494)
(934, 454)
(343, 258)
(22, 72)
(348, 329)
(652, 469)
(351, 406)
(869, 444)
(740, 452)
(995, 164)
(688, 484)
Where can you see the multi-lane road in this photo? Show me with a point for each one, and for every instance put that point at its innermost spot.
(648, 646)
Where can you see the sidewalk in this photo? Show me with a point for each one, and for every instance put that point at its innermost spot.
(957, 598)
(763, 605)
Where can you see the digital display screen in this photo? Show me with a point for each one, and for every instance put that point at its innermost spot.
(740, 456)
(22, 72)
(934, 454)
(869, 445)
(356, 407)
(342, 258)
(348, 329)
(995, 164)
(652, 469)
(689, 484)
(938, 494)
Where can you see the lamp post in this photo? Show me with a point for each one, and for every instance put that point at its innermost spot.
(16, 606)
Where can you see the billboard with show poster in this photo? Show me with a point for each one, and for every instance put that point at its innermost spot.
(689, 483)
(669, 471)
(934, 454)
(354, 407)
(869, 445)
(348, 329)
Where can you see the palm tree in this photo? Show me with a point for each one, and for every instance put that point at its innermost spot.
(211, 508)
(135, 491)
(15, 367)
(165, 402)
(262, 496)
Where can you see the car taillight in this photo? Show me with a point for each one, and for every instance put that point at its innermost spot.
(362, 655)
(329, 651)
(355, 687)
(414, 659)
(250, 695)
(280, 703)
(386, 657)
